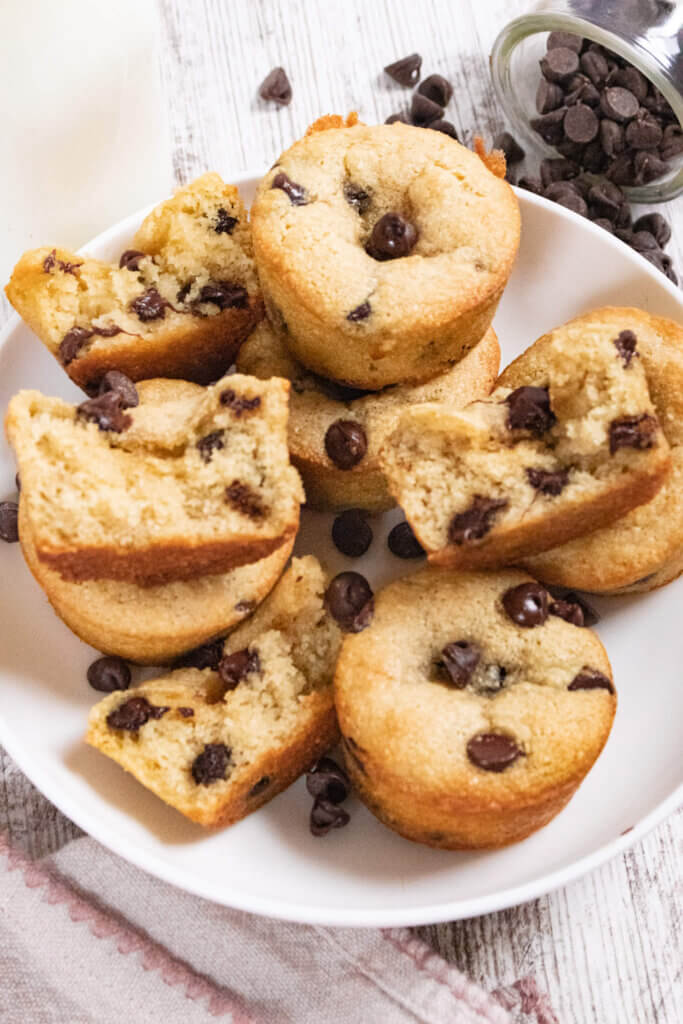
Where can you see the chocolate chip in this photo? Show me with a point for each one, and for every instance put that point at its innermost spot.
(549, 126)
(109, 674)
(526, 604)
(351, 533)
(206, 656)
(350, 601)
(511, 149)
(459, 661)
(546, 481)
(345, 443)
(244, 500)
(565, 39)
(662, 262)
(581, 90)
(9, 522)
(672, 142)
(492, 751)
(296, 193)
(225, 295)
(361, 312)
(149, 306)
(568, 197)
(549, 96)
(184, 291)
(326, 816)
(618, 104)
(259, 787)
(656, 225)
(106, 411)
(400, 118)
(210, 443)
(648, 167)
(644, 133)
(630, 78)
(224, 224)
(476, 521)
(446, 127)
(72, 343)
(108, 332)
(591, 679)
(392, 237)
(51, 261)
(632, 432)
(403, 543)
(276, 87)
(326, 780)
(121, 385)
(559, 64)
(580, 124)
(239, 404)
(339, 392)
(437, 89)
(606, 199)
(357, 197)
(555, 170)
(212, 764)
(593, 158)
(133, 714)
(424, 111)
(529, 409)
(571, 597)
(611, 137)
(531, 184)
(233, 668)
(405, 71)
(625, 344)
(594, 66)
(130, 259)
(621, 170)
(570, 611)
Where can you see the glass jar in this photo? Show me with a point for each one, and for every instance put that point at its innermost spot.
(647, 33)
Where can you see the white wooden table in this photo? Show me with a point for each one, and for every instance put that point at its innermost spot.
(608, 948)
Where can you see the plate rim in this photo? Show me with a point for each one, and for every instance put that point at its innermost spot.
(280, 909)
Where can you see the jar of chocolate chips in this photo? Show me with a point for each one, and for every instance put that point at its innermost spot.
(595, 88)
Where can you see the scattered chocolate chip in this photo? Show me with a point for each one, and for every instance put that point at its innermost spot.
(295, 192)
(570, 611)
(357, 197)
(590, 679)
(392, 237)
(662, 262)
(400, 118)
(327, 781)
(656, 225)
(527, 604)
(559, 64)
(529, 409)
(233, 668)
(476, 521)
(361, 312)
(549, 96)
(446, 127)
(244, 500)
(567, 197)
(206, 656)
(133, 714)
(492, 751)
(224, 224)
(351, 532)
(130, 259)
(424, 111)
(557, 170)
(345, 443)
(225, 295)
(405, 71)
(511, 149)
(546, 481)
(109, 674)
(210, 443)
(259, 787)
(326, 816)
(106, 410)
(149, 306)
(9, 522)
(121, 385)
(350, 601)
(625, 344)
(549, 126)
(459, 661)
(403, 543)
(581, 124)
(185, 712)
(239, 404)
(606, 198)
(212, 764)
(531, 184)
(565, 39)
(437, 89)
(632, 432)
(276, 87)
(72, 343)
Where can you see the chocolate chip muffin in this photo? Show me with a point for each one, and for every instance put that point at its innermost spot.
(177, 304)
(154, 625)
(471, 707)
(643, 549)
(217, 743)
(382, 250)
(335, 433)
(168, 483)
(567, 442)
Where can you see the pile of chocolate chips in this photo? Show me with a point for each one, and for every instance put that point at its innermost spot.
(429, 100)
(610, 127)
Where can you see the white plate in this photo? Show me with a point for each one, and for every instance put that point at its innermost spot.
(363, 874)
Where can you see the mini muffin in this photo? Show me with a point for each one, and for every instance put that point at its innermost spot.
(573, 445)
(335, 433)
(177, 304)
(153, 625)
(643, 549)
(382, 250)
(471, 707)
(217, 743)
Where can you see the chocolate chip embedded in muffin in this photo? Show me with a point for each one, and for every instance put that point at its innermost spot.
(357, 197)
(361, 312)
(570, 611)
(233, 668)
(9, 521)
(350, 601)
(130, 259)
(206, 656)
(351, 532)
(212, 442)
(392, 238)
(243, 499)
(133, 714)
(527, 604)
(548, 482)
(212, 764)
(108, 674)
(106, 411)
(224, 224)
(492, 751)
(590, 679)
(51, 261)
(403, 543)
(625, 344)
(328, 781)
(149, 306)
(459, 660)
(224, 294)
(405, 71)
(345, 443)
(529, 409)
(122, 385)
(185, 712)
(296, 193)
(476, 521)
(326, 816)
(72, 343)
(239, 403)
(632, 432)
